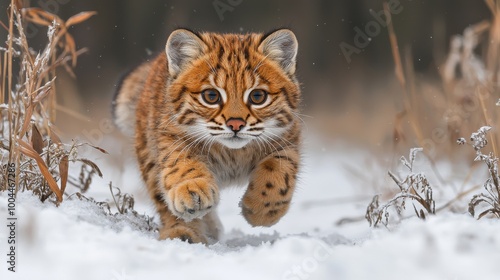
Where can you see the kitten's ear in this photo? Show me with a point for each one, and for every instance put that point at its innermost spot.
(281, 46)
(182, 47)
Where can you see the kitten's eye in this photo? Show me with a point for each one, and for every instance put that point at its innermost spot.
(258, 96)
(211, 96)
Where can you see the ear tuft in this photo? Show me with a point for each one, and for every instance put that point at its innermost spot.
(281, 46)
(182, 47)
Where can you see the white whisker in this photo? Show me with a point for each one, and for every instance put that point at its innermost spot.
(166, 122)
(190, 145)
(184, 140)
(280, 138)
(275, 141)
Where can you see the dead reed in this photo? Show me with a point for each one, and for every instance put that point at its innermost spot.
(28, 136)
(468, 99)
(434, 116)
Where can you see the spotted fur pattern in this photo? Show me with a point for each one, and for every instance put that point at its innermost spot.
(186, 147)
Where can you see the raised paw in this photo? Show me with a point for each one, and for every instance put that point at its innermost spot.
(261, 212)
(269, 193)
(192, 199)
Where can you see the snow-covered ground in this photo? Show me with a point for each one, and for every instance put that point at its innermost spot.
(77, 240)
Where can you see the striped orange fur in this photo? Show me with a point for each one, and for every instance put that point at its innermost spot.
(211, 111)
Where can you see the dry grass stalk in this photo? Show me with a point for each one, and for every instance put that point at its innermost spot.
(472, 80)
(40, 156)
(410, 99)
(124, 202)
(395, 49)
(468, 99)
(470, 83)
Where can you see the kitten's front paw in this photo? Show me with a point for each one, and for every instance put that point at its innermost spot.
(192, 199)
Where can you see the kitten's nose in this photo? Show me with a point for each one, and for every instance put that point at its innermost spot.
(235, 124)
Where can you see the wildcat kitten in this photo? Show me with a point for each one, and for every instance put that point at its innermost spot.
(215, 110)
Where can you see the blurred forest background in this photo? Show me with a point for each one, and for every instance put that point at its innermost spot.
(357, 101)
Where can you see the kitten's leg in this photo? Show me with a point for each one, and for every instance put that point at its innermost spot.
(204, 230)
(212, 226)
(271, 188)
(188, 188)
(173, 227)
(185, 198)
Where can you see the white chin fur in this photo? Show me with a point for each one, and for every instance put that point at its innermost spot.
(234, 143)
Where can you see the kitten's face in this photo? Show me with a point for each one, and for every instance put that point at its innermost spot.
(237, 88)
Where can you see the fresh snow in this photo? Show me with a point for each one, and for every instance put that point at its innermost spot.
(78, 240)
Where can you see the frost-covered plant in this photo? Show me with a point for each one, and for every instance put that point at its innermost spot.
(28, 142)
(415, 187)
(489, 202)
(126, 213)
(124, 202)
